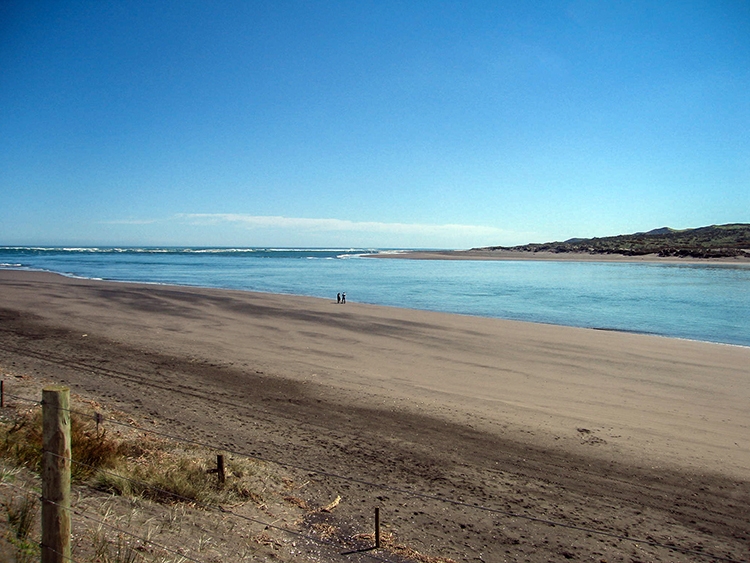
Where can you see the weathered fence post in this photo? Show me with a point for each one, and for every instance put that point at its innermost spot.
(56, 475)
(220, 469)
(99, 420)
(377, 527)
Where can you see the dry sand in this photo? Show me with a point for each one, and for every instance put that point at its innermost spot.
(633, 435)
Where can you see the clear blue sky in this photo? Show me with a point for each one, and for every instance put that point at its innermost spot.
(381, 124)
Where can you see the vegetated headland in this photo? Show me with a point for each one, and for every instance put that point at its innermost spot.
(715, 241)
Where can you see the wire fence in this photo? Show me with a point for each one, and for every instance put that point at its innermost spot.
(334, 548)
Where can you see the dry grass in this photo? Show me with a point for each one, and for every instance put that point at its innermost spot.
(124, 462)
(21, 510)
(137, 465)
(176, 474)
(91, 448)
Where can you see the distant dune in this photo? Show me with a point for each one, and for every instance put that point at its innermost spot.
(716, 241)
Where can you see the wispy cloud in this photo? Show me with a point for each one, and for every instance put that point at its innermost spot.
(340, 225)
(238, 229)
(129, 222)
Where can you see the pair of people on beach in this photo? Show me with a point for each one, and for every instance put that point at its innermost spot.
(341, 298)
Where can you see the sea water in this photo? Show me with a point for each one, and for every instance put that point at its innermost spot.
(709, 302)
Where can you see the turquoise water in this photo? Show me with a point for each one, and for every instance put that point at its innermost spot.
(708, 302)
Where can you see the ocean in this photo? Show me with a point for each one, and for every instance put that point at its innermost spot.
(708, 302)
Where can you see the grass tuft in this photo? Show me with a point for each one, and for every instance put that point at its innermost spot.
(137, 466)
(21, 515)
(118, 551)
(183, 475)
(21, 442)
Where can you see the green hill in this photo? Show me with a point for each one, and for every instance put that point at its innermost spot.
(716, 241)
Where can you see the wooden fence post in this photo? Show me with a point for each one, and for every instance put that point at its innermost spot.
(220, 468)
(99, 420)
(56, 475)
(377, 527)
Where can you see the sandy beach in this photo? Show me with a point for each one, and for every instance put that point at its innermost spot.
(641, 436)
(484, 254)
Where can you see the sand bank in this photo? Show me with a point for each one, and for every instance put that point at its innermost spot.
(548, 256)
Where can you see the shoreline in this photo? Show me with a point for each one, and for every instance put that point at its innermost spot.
(469, 315)
(511, 255)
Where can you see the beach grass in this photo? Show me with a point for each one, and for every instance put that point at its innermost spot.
(137, 464)
(129, 464)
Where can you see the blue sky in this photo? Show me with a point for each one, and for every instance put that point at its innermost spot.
(377, 124)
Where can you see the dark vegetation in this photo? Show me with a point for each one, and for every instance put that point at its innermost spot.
(716, 241)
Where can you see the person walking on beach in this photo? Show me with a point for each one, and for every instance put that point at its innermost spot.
(343, 297)
(338, 298)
